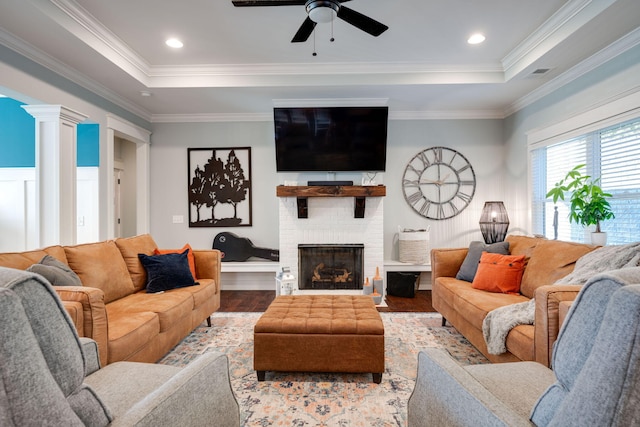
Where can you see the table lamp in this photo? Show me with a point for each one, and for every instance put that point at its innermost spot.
(494, 222)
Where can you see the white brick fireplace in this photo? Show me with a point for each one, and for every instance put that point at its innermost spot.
(331, 221)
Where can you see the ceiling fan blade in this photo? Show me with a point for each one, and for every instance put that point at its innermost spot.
(304, 31)
(361, 21)
(252, 3)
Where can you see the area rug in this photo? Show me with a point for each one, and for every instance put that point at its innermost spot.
(325, 400)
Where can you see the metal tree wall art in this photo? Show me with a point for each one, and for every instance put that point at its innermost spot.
(219, 187)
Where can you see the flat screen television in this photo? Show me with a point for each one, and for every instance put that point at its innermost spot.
(331, 139)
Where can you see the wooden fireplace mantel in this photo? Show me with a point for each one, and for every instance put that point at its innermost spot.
(359, 192)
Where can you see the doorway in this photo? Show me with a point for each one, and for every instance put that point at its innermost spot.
(125, 188)
(126, 149)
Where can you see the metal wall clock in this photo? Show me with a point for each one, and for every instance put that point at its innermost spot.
(439, 183)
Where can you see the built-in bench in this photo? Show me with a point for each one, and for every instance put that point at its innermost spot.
(249, 275)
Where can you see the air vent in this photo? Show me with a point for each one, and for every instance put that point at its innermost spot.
(540, 71)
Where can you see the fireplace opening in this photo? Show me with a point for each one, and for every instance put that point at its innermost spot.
(330, 266)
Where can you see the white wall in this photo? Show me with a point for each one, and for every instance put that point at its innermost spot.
(18, 226)
(479, 140)
(18, 230)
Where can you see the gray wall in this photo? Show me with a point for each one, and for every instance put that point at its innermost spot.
(169, 176)
(616, 78)
(479, 140)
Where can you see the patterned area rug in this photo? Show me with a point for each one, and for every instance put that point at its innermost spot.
(325, 400)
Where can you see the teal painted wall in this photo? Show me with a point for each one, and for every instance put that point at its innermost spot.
(18, 135)
(88, 145)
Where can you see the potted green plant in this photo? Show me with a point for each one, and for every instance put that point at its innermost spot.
(589, 205)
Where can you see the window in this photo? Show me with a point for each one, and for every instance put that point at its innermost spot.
(612, 153)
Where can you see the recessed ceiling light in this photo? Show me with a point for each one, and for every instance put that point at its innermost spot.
(476, 38)
(175, 43)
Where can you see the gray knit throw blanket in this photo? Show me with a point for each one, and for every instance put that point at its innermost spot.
(499, 322)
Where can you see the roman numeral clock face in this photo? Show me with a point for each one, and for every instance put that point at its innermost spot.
(439, 183)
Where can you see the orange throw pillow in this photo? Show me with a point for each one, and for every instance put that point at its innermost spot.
(499, 273)
(190, 256)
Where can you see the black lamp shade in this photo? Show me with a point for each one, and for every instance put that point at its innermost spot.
(494, 222)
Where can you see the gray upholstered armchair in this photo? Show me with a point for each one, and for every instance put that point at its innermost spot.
(51, 377)
(595, 379)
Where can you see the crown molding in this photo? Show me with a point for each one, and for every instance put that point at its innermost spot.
(331, 102)
(269, 75)
(574, 14)
(447, 115)
(42, 58)
(321, 68)
(268, 117)
(75, 19)
(212, 117)
(616, 48)
(39, 57)
(83, 25)
(25, 49)
(80, 23)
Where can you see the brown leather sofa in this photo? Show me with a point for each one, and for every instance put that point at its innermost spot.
(113, 308)
(465, 307)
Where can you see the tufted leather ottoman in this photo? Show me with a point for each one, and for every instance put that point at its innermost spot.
(319, 333)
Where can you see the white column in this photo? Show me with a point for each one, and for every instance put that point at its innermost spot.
(55, 173)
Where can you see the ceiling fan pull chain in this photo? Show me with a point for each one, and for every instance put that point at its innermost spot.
(331, 39)
(314, 43)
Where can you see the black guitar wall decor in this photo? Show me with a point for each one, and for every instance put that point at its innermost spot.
(235, 248)
(219, 187)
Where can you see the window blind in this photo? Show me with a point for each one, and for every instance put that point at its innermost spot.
(613, 154)
(620, 171)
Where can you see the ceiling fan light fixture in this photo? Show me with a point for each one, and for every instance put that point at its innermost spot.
(322, 11)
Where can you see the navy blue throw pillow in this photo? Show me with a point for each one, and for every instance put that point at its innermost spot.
(168, 271)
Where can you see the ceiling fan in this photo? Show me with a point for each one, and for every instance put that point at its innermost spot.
(321, 11)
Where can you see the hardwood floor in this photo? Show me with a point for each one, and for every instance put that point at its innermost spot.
(252, 301)
(420, 303)
(247, 301)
